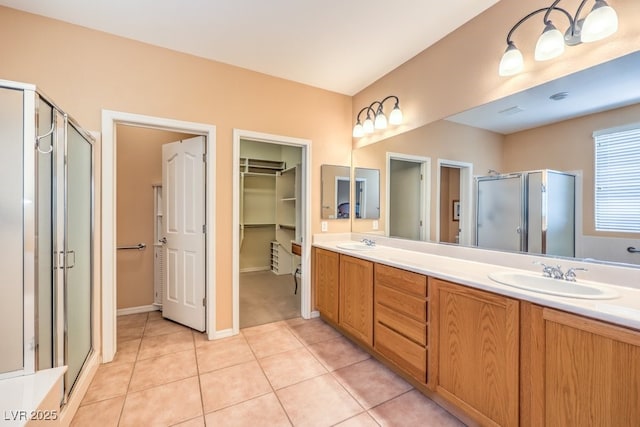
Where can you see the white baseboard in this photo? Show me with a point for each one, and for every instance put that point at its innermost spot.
(252, 269)
(225, 333)
(136, 310)
(314, 314)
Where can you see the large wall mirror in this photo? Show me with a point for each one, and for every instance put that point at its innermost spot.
(335, 191)
(549, 127)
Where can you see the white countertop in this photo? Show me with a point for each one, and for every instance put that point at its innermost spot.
(21, 396)
(624, 310)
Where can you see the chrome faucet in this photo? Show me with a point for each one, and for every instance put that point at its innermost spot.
(551, 271)
(368, 242)
(570, 275)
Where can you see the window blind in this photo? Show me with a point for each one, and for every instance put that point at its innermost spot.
(617, 179)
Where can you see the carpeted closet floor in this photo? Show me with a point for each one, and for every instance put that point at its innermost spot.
(266, 297)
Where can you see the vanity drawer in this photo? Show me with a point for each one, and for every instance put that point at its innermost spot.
(404, 280)
(402, 351)
(414, 307)
(410, 328)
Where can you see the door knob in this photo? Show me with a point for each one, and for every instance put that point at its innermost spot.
(163, 240)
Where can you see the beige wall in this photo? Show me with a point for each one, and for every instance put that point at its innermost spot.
(438, 140)
(86, 71)
(461, 70)
(139, 166)
(567, 146)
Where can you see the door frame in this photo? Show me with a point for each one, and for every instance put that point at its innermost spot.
(110, 119)
(467, 237)
(425, 191)
(305, 191)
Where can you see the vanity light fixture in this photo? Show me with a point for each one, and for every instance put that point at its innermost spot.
(600, 23)
(376, 118)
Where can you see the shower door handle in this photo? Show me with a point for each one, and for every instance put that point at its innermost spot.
(69, 264)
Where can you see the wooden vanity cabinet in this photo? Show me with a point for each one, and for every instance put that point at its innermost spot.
(474, 351)
(579, 371)
(356, 298)
(326, 279)
(400, 319)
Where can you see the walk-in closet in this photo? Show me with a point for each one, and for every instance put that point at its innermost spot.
(270, 223)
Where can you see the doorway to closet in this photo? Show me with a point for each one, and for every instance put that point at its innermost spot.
(270, 229)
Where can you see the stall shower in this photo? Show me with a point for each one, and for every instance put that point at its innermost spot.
(46, 226)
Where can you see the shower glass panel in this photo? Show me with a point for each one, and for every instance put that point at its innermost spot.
(78, 254)
(44, 237)
(12, 204)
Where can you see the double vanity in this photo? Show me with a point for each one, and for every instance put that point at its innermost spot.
(493, 344)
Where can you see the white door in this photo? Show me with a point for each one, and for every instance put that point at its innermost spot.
(184, 232)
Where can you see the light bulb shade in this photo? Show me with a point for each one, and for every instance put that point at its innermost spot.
(381, 121)
(550, 43)
(358, 131)
(600, 23)
(511, 62)
(395, 118)
(367, 126)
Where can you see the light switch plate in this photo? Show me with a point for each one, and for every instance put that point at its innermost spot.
(324, 226)
(375, 225)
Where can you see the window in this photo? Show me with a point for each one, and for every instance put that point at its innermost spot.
(617, 179)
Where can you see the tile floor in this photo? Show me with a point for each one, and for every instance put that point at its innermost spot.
(295, 372)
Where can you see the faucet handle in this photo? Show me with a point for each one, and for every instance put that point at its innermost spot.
(570, 275)
(547, 270)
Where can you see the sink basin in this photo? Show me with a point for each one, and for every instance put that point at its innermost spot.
(547, 285)
(355, 246)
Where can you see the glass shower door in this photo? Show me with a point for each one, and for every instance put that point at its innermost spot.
(78, 253)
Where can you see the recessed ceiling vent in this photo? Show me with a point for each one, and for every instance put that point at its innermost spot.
(511, 111)
(559, 96)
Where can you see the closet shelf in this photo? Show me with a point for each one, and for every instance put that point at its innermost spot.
(287, 226)
(288, 199)
(257, 225)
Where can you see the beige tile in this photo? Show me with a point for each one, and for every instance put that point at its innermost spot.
(126, 333)
(194, 422)
(223, 353)
(272, 342)
(291, 367)
(362, 420)
(163, 405)
(413, 409)
(295, 321)
(163, 369)
(200, 338)
(107, 411)
(165, 344)
(153, 315)
(313, 331)
(338, 353)
(235, 384)
(371, 383)
(261, 329)
(109, 381)
(132, 320)
(162, 327)
(127, 352)
(264, 410)
(320, 401)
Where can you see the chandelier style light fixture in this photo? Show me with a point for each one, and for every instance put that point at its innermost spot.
(600, 23)
(376, 119)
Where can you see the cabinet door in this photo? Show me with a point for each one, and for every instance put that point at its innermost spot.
(326, 277)
(356, 297)
(592, 372)
(473, 351)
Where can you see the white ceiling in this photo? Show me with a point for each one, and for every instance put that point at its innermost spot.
(338, 45)
(613, 84)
